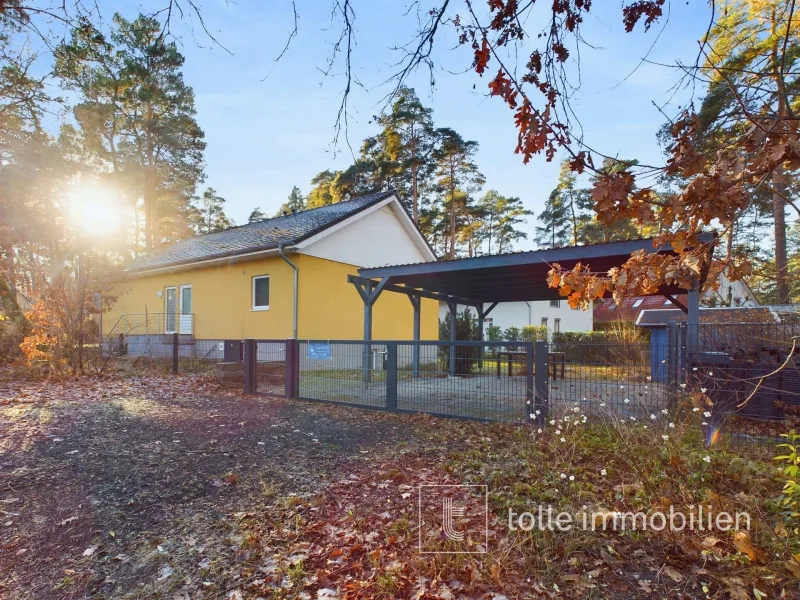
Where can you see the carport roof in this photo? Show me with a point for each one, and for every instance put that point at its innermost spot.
(521, 276)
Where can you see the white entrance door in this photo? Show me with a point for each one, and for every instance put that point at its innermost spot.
(170, 310)
(186, 316)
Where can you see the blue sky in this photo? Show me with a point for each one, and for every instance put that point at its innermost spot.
(266, 135)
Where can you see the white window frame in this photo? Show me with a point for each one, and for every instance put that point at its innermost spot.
(544, 322)
(556, 325)
(255, 308)
(555, 303)
(184, 319)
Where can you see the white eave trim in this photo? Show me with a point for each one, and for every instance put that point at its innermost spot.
(206, 263)
(394, 204)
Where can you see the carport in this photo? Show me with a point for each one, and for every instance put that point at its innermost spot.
(484, 281)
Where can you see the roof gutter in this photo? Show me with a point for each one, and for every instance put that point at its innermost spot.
(296, 285)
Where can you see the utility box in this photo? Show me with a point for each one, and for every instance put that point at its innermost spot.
(233, 351)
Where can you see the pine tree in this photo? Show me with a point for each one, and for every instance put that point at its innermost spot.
(501, 219)
(458, 176)
(592, 232)
(211, 213)
(137, 113)
(295, 203)
(554, 230)
(256, 215)
(752, 67)
(402, 154)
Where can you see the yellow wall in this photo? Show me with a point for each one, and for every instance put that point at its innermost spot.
(329, 306)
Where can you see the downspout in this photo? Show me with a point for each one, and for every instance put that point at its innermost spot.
(294, 309)
(530, 322)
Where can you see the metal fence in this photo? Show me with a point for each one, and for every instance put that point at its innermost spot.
(270, 367)
(629, 381)
(473, 380)
(743, 379)
(750, 375)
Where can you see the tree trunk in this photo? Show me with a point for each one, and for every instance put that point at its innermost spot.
(779, 216)
(779, 187)
(414, 194)
(452, 252)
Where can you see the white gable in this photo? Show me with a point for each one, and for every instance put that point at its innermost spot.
(382, 236)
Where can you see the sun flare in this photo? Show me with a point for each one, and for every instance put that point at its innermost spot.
(94, 208)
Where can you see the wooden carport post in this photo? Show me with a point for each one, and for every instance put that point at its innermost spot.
(451, 367)
(369, 295)
(416, 302)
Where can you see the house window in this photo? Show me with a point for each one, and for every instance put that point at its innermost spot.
(638, 302)
(544, 321)
(261, 292)
(556, 325)
(555, 303)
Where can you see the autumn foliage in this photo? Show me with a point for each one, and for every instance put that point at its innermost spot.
(718, 181)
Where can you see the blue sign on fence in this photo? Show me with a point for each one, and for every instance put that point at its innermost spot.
(319, 350)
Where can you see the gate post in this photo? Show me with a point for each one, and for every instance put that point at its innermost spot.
(541, 389)
(391, 376)
(529, 383)
(292, 366)
(249, 366)
(175, 353)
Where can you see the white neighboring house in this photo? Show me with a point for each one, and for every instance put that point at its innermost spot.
(555, 314)
(730, 293)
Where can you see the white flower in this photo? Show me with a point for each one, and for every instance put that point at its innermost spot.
(645, 426)
(665, 437)
(563, 476)
(710, 374)
(664, 411)
(707, 414)
(603, 472)
(703, 390)
(704, 423)
(653, 417)
(694, 368)
(533, 416)
(563, 440)
(695, 409)
(683, 385)
(538, 431)
(583, 419)
(558, 432)
(602, 404)
(707, 459)
(538, 412)
(626, 401)
(572, 477)
(576, 409)
(672, 425)
(633, 418)
(552, 421)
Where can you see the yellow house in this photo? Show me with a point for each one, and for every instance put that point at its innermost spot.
(267, 279)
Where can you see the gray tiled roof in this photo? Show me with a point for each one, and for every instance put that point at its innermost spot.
(262, 235)
(720, 315)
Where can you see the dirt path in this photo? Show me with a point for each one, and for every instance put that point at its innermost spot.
(119, 488)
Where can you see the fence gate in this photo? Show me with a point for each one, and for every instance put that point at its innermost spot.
(494, 381)
(266, 369)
